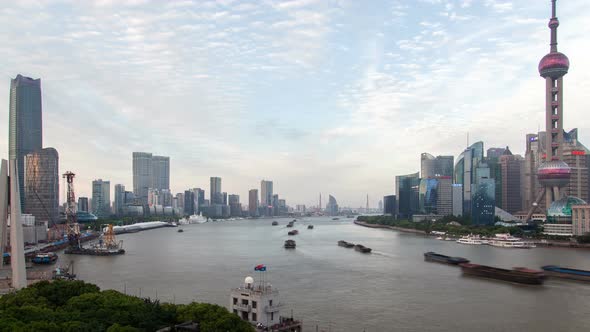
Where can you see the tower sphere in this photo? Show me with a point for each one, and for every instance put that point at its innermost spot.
(554, 173)
(554, 65)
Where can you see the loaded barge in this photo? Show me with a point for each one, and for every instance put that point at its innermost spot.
(519, 275)
(438, 258)
(566, 273)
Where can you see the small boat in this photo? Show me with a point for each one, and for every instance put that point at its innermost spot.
(434, 257)
(275, 223)
(45, 258)
(361, 248)
(518, 274)
(290, 224)
(309, 226)
(293, 232)
(180, 230)
(335, 218)
(294, 220)
(345, 244)
(289, 244)
(440, 238)
(349, 216)
(566, 273)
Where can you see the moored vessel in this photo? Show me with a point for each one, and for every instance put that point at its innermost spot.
(345, 244)
(180, 230)
(290, 244)
(509, 241)
(45, 258)
(434, 257)
(290, 224)
(471, 240)
(363, 249)
(518, 274)
(309, 226)
(566, 273)
(293, 232)
(275, 223)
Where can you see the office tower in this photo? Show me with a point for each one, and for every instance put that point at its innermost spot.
(25, 131)
(224, 198)
(215, 195)
(199, 200)
(142, 176)
(389, 205)
(494, 153)
(119, 199)
(444, 198)
(428, 195)
(83, 204)
(464, 172)
(160, 172)
(332, 206)
(407, 194)
(483, 210)
(166, 197)
(253, 202)
(101, 198)
(575, 154)
(189, 202)
(180, 201)
(275, 205)
(234, 205)
(266, 192)
(511, 169)
(42, 185)
(457, 190)
(431, 166)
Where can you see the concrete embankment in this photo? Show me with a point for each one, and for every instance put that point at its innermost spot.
(400, 229)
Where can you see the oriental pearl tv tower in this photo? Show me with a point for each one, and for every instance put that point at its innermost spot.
(554, 173)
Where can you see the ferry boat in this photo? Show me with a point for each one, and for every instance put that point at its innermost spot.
(290, 224)
(290, 244)
(361, 248)
(566, 273)
(309, 226)
(293, 232)
(345, 244)
(275, 223)
(471, 240)
(45, 258)
(180, 230)
(518, 274)
(508, 241)
(434, 257)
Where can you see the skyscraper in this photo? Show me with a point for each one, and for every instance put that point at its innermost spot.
(119, 199)
(511, 169)
(160, 172)
(25, 133)
(464, 172)
(253, 202)
(431, 166)
(332, 206)
(142, 176)
(101, 198)
(215, 194)
(42, 184)
(266, 192)
(389, 203)
(407, 194)
(483, 200)
(83, 204)
(189, 202)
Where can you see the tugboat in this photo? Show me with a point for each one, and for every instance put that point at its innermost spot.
(361, 248)
(45, 258)
(275, 223)
(293, 232)
(566, 273)
(309, 226)
(180, 230)
(290, 244)
(290, 224)
(345, 244)
(518, 274)
(263, 299)
(434, 257)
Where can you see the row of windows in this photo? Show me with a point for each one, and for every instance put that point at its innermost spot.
(246, 302)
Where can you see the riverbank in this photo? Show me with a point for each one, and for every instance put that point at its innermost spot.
(395, 228)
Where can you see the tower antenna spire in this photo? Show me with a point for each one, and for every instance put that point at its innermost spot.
(553, 24)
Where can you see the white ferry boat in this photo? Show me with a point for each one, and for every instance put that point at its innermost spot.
(194, 219)
(506, 240)
(471, 240)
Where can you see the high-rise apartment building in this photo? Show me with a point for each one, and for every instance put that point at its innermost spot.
(253, 202)
(189, 202)
(25, 132)
(407, 194)
(42, 185)
(101, 198)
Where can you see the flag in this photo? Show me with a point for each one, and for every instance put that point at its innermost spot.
(260, 267)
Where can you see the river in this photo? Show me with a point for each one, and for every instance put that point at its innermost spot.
(339, 289)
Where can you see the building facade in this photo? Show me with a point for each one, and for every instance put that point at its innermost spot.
(332, 206)
(266, 193)
(142, 176)
(581, 220)
(83, 204)
(464, 172)
(119, 199)
(407, 194)
(511, 167)
(483, 210)
(101, 198)
(389, 203)
(253, 202)
(431, 166)
(215, 194)
(160, 172)
(25, 131)
(42, 185)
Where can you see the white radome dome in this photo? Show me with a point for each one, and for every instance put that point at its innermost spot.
(249, 280)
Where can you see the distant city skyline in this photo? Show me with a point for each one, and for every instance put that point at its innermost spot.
(322, 109)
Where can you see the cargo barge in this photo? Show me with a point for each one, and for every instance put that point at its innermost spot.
(345, 244)
(363, 249)
(519, 275)
(290, 244)
(566, 273)
(438, 258)
(44, 258)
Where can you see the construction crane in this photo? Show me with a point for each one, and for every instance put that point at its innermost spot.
(72, 227)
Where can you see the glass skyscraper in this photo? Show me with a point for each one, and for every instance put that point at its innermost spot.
(483, 202)
(465, 167)
(407, 193)
(142, 176)
(25, 124)
(42, 185)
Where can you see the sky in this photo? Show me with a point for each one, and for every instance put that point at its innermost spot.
(330, 96)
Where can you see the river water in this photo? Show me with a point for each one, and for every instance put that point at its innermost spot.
(339, 289)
